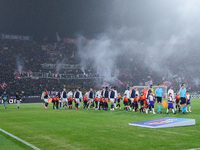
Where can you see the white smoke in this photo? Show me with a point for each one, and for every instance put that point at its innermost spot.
(59, 65)
(166, 31)
(20, 63)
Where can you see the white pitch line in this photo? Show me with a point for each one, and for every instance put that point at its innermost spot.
(13, 136)
(194, 149)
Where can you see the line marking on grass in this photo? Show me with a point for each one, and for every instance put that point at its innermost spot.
(194, 149)
(15, 137)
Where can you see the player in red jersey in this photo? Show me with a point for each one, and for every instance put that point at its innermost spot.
(96, 100)
(125, 99)
(100, 103)
(118, 100)
(142, 99)
(144, 91)
(85, 101)
(70, 99)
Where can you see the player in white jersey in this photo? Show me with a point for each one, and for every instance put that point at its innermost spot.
(91, 96)
(45, 97)
(64, 98)
(98, 95)
(77, 96)
(127, 92)
(115, 90)
(70, 94)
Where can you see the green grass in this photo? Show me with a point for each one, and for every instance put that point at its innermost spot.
(93, 129)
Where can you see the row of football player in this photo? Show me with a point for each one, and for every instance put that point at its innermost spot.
(143, 101)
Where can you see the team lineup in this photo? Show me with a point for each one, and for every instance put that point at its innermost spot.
(133, 99)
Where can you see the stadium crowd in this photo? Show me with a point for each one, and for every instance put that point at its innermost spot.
(19, 58)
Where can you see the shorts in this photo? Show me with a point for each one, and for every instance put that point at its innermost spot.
(125, 103)
(132, 100)
(151, 103)
(129, 102)
(64, 100)
(136, 104)
(170, 105)
(188, 102)
(177, 101)
(159, 99)
(183, 100)
(112, 100)
(77, 100)
(46, 100)
(91, 100)
(141, 102)
(70, 103)
(118, 100)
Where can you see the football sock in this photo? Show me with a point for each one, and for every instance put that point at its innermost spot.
(159, 108)
(173, 110)
(182, 108)
(167, 110)
(189, 108)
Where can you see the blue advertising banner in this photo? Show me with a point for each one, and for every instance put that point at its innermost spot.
(164, 122)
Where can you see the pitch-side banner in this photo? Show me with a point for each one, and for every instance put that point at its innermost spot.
(25, 99)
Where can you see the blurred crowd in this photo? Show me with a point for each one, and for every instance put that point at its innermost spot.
(17, 58)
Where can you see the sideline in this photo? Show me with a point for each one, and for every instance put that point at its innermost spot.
(15, 137)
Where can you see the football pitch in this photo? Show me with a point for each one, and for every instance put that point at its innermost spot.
(93, 129)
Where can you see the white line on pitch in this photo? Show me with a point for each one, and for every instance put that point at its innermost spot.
(26, 143)
(194, 149)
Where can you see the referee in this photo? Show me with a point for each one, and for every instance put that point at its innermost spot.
(182, 93)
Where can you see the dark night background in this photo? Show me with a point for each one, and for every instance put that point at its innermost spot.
(46, 17)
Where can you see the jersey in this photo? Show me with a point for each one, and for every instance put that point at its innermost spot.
(169, 99)
(177, 97)
(144, 91)
(125, 99)
(85, 99)
(96, 99)
(142, 98)
(112, 94)
(136, 99)
(64, 94)
(182, 92)
(172, 92)
(132, 93)
(5, 97)
(159, 92)
(127, 92)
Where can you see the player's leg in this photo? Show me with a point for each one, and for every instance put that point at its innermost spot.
(159, 100)
(119, 104)
(167, 112)
(173, 110)
(18, 102)
(153, 109)
(147, 109)
(190, 107)
(5, 103)
(53, 104)
(56, 104)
